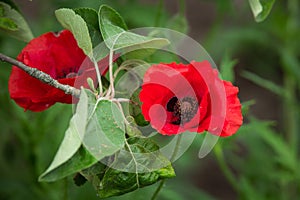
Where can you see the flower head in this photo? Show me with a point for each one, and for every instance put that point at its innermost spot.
(178, 97)
(58, 55)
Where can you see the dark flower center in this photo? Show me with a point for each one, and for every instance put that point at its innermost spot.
(70, 72)
(183, 109)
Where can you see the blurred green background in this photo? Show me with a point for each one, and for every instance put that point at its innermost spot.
(263, 59)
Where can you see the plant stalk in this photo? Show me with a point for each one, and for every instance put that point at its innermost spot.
(290, 82)
(160, 186)
(181, 8)
(98, 77)
(111, 75)
(159, 13)
(65, 188)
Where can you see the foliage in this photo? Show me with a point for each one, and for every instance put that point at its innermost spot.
(261, 8)
(13, 23)
(260, 162)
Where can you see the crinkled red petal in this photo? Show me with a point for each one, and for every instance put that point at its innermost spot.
(234, 118)
(58, 55)
(219, 110)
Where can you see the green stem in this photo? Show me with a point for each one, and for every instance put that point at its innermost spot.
(161, 184)
(159, 13)
(111, 75)
(98, 77)
(176, 149)
(173, 156)
(224, 167)
(293, 7)
(182, 7)
(290, 82)
(65, 197)
(290, 112)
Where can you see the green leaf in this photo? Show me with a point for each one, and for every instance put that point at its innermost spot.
(17, 26)
(227, 68)
(11, 3)
(224, 7)
(8, 24)
(126, 174)
(90, 16)
(71, 142)
(286, 156)
(96, 130)
(291, 62)
(80, 160)
(282, 152)
(249, 191)
(133, 42)
(135, 109)
(132, 128)
(144, 49)
(94, 173)
(178, 23)
(76, 24)
(1, 11)
(139, 163)
(261, 8)
(105, 133)
(113, 30)
(132, 80)
(246, 106)
(269, 85)
(110, 21)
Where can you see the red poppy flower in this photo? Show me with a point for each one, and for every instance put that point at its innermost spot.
(58, 55)
(178, 97)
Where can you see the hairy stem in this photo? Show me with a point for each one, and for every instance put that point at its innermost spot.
(98, 77)
(111, 89)
(111, 75)
(45, 78)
